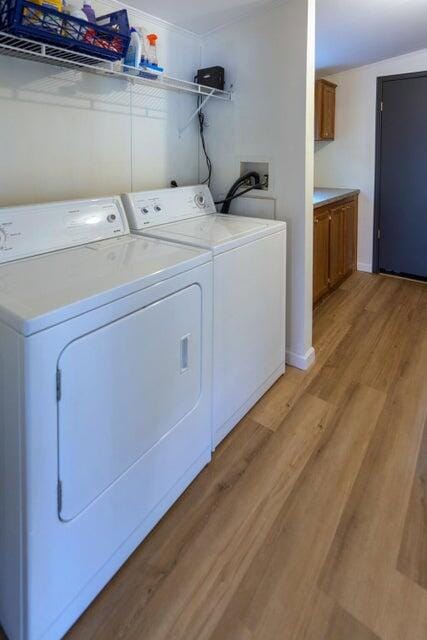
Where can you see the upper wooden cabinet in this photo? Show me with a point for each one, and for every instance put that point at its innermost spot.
(325, 110)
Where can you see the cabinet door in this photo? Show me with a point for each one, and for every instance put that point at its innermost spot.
(336, 251)
(325, 110)
(354, 206)
(328, 119)
(321, 255)
(349, 237)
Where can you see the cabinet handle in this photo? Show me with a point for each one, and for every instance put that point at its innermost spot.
(316, 220)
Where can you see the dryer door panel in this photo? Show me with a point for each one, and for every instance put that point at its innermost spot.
(123, 388)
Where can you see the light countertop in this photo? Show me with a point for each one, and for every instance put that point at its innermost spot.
(323, 196)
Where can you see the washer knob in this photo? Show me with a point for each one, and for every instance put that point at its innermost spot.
(2, 238)
(199, 199)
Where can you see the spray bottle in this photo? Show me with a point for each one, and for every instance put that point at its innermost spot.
(150, 66)
(134, 53)
(152, 49)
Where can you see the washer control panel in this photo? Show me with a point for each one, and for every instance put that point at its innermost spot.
(152, 208)
(35, 229)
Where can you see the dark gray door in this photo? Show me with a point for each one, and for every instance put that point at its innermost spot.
(402, 174)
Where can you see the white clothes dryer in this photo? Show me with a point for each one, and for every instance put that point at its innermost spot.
(105, 400)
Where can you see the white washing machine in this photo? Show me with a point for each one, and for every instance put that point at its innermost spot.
(105, 400)
(249, 290)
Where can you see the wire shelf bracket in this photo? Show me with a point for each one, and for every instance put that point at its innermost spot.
(195, 113)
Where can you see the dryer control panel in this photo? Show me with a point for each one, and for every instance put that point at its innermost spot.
(35, 229)
(152, 208)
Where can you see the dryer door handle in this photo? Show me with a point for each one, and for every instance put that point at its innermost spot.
(185, 353)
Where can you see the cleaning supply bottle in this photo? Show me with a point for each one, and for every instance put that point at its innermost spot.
(152, 49)
(69, 30)
(133, 57)
(88, 11)
(150, 66)
(143, 38)
(90, 36)
(74, 11)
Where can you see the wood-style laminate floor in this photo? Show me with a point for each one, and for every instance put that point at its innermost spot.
(311, 521)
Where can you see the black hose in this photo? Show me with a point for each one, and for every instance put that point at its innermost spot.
(232, 194)
(241, 193)
(202, 125)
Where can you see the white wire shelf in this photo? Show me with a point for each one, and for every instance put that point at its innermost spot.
(48, 54)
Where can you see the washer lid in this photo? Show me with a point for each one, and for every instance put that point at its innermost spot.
(39, 292)
(217, 232)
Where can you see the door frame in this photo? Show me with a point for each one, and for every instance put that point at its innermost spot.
(378, 140)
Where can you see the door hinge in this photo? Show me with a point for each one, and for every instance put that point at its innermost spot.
(382, 106)
(59, 496)
(379, 234)
(58, 385)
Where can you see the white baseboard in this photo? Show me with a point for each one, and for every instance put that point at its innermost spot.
(364, 266)
(299, 361)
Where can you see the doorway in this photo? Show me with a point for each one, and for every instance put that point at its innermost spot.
(400, 220)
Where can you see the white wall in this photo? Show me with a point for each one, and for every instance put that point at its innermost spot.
(269, 58)
(349, 161)
(66, 135)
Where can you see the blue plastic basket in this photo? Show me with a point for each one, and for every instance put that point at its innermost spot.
(108, 38)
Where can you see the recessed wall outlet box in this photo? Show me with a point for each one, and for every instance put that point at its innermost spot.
(261, 167)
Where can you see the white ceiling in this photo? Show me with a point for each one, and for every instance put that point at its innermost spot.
(351, 33)
(199, 16)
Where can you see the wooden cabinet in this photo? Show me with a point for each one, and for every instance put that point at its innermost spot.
(324, 125)
(350, 236)
(321, 255)
(334, 245)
